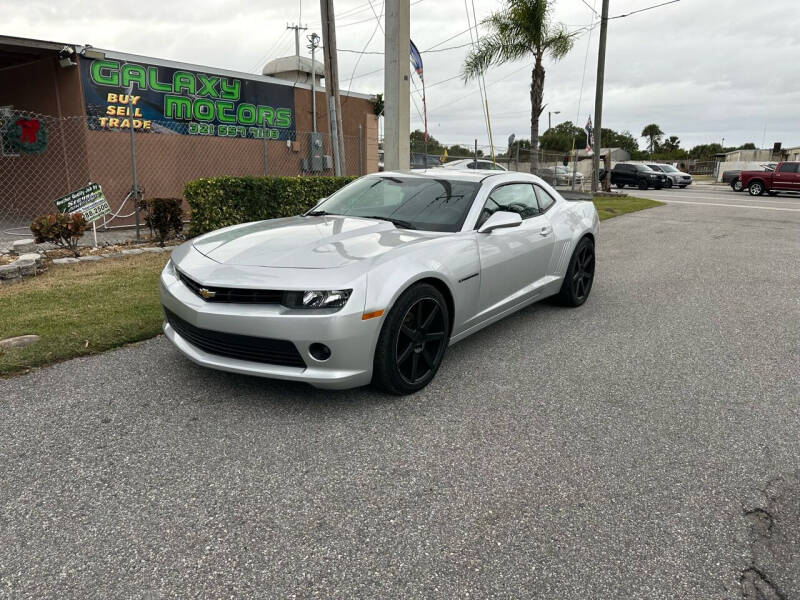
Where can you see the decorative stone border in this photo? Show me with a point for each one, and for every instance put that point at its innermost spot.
(27, 265)
(32, 262)
(95, 257)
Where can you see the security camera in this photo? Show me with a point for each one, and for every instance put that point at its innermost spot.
(65, 57)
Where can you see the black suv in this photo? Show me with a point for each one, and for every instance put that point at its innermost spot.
(638, 175)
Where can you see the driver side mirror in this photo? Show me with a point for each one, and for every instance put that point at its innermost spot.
(501, 220)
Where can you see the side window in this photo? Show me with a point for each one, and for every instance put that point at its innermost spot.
(788, 168)
(545, 199)
(513, 197)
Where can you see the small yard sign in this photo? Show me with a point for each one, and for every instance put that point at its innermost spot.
(89, 201)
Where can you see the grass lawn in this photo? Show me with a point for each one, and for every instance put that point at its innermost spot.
(613, 207)
(80, 309)
(87, 308)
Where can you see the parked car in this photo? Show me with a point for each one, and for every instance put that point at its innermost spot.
(471, 163)
(376, 281)
(731, 177)
(634, 174)
(675, 177)
(559, 175)
(785, 178)
(420, 160)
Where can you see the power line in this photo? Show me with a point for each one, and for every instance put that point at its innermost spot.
(643, 9)
(361, 54)
(378, 53)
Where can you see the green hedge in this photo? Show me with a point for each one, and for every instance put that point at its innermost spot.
(221, 201)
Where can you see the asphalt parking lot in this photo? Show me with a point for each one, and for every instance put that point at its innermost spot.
(643, 446)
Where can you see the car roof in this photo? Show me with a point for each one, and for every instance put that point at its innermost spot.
(476, 175)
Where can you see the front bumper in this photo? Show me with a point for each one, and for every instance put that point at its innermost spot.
(351, 339)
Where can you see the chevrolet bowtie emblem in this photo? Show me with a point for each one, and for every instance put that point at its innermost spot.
(206, 293)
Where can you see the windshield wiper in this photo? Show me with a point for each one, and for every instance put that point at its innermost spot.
(396, 222)
(316, 213)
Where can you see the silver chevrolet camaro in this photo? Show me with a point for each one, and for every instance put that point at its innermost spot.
(376, 281)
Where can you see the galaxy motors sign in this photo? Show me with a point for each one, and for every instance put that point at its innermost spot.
(150, 98)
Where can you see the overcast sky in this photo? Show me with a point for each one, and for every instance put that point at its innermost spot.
(703, 70)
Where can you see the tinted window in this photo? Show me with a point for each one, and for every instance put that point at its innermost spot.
(545, 199)
(514, 197)
(788, 168)
(425, 203)
(655, 167)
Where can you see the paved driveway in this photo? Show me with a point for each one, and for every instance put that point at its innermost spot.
(643, 446)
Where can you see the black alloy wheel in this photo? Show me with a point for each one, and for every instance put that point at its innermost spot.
(413, 341)
(580, 275)
(420, 341)
(643, 185)
(669, 182)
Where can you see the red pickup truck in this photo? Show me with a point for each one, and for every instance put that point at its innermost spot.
(785, 178)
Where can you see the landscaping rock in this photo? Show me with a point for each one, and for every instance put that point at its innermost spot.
(154, 250)
(26, 266)
(18, 342)
(23, 246)
(64, 261)
(9, 271)
(89, 258)
(30, 256)
(133, 251)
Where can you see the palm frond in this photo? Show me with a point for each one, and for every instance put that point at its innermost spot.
(493, 49)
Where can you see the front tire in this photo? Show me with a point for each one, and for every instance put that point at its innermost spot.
(669, 183)
(756, 188)
(736, 185)
(643, 185)
(580, 275)
(412, 341)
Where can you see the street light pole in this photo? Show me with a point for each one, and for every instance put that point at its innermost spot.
(549, 117)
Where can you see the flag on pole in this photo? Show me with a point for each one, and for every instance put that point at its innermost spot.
(416, 60)
(589, 139)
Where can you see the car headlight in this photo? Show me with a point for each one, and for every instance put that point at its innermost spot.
(169, 268)
(316, 299)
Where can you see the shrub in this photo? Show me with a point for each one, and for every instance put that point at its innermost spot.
(62, 229)
(222, 201)
(163, 216)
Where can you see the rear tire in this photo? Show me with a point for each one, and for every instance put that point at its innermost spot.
(736, 185)
(579, 277)
(412, 341)
(620, 185)
(669, 183)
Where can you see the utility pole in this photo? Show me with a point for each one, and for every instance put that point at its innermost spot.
(332, 84)
(297, 28)
(313, 45)
(397, 124)
(598, 98)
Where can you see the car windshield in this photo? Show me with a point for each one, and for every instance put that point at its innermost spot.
(410, 202)
(669, 169)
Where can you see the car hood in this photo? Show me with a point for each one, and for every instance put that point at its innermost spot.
(322, 242)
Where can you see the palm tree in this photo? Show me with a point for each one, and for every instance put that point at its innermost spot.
(522, 29)
(654, 134)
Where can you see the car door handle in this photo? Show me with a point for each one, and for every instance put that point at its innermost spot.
(545, 230)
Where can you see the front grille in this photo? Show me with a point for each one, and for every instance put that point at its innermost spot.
(237, 295)
(233, 345)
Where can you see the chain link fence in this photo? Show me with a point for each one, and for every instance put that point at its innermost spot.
(557, 168)
(75, 151)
